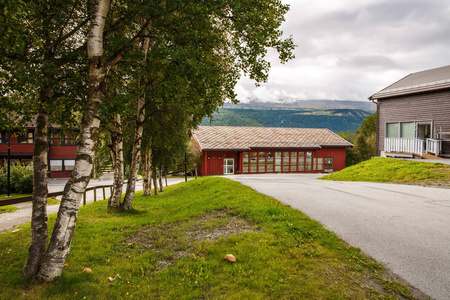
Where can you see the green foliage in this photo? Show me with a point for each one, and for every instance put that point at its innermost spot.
(42, 66)
(21, 179)
(194, 155)
(364, 141)
(172, 246)
(393, 170)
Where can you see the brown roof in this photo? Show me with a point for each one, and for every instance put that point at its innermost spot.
(243, 138)
(429, 80)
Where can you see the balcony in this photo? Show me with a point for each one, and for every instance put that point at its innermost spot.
(413, 146)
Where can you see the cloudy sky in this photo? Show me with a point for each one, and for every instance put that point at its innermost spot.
(350, 49)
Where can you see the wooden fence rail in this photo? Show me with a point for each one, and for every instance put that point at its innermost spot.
(56, 194)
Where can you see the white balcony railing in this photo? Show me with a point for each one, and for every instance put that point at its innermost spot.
(433, 146)
(404, 145)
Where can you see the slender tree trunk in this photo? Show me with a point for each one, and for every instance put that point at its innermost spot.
(117, 160)
(155, 181)
(39, 231)
(59, 246)
(136, 155)
(147, 173)
(165, 177)
(160, 180)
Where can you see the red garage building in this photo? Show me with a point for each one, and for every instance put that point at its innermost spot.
(236, 150)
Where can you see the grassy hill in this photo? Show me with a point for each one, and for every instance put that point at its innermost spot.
(335, 119)
(396, 171)
(172, 246)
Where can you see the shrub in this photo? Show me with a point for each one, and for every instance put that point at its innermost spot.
(21, 179)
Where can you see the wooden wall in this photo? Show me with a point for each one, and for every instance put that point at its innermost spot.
(434, 106)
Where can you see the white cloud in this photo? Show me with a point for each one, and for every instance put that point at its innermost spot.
(348, 50)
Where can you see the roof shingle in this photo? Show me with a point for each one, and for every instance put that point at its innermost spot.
(428, 80)
(243, 138)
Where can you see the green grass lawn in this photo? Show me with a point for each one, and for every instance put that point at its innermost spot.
(396, 171)
(13, 195)
(172, 246)
(10, 208)
(7, 209)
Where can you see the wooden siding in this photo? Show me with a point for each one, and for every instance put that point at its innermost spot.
(212, 161)
(433, 106)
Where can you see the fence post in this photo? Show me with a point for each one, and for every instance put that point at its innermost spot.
(104, 195)
(95, 194)
(84, 198)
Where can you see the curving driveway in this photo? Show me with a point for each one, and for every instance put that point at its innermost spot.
(406, 228)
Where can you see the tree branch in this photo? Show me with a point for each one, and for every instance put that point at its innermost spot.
(116, 57)
(70, 33)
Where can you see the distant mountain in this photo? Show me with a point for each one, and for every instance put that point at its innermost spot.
(318, 104)
(335, 119)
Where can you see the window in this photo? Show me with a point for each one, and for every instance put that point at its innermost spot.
(293, 161)
(262, 162)
(61, 165)
(277, 161)
(56, 165)
(329, 166)
(269, 161)
(253, 162)
(57, 137)
(3, 137)
(308, 160)
(69, 164)
(407, 130)
(301, 161)
(392, 130)
(285, 161)
(69, 140)
(318, 163)
(26, 138)
(245, 163)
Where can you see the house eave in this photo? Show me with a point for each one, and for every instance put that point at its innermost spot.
(378, 96)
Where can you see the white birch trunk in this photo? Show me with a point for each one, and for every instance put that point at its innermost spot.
(136, 155)
(147, 173)
(117, 160)
(39, 233)
(59, 246)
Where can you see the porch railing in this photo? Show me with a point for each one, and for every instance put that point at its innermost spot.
(404, 145)
(433, 146)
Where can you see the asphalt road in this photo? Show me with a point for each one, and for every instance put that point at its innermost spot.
(404, 227)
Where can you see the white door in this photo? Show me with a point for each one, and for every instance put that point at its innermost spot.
(228, 166)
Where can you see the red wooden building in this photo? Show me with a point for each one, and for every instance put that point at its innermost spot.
(236, 150)
(61, 155)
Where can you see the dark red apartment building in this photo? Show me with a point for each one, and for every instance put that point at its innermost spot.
(61, 155)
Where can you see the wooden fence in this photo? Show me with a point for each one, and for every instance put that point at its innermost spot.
(56, 194)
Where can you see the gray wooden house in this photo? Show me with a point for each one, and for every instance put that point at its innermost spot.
(414, 115)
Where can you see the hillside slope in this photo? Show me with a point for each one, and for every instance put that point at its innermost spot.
(334, 119)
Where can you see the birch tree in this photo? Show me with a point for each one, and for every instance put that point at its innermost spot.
(99, 66)
(42, 48)
(59, 246)
(199, 51)
(139, 128)
(116, 146)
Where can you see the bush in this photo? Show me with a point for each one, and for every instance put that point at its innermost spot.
(21, 179)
